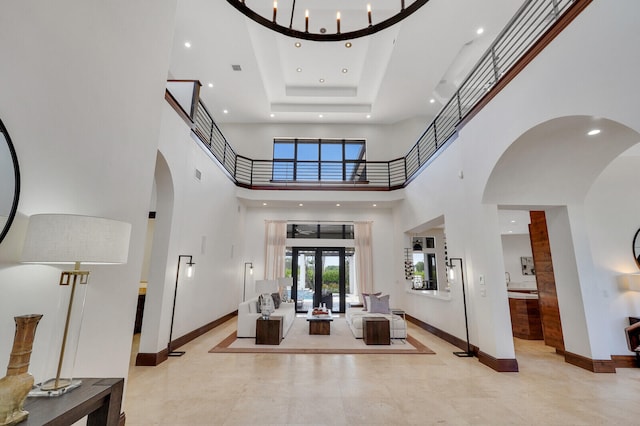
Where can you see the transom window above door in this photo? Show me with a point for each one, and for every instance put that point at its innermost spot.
(320, 230)
(307, 160)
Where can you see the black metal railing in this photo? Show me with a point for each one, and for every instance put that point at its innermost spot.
(532, 21)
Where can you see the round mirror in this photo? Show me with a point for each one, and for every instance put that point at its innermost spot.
(9, 181)
(636, 247)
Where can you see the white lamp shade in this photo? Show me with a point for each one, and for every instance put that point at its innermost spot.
(285, 282)
(63, 238)
(630, 282)
(266, 286)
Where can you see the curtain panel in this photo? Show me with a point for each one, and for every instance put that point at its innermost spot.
(363, 256)
(275, 248)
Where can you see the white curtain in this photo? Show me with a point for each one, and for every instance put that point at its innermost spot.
(363, 256)
(275, 248)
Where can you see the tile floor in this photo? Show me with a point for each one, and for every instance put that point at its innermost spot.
(200, 388)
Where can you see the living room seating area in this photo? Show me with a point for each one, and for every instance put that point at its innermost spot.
(249, 312)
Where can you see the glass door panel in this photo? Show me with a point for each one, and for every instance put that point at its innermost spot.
(320, 277)
(304, 277)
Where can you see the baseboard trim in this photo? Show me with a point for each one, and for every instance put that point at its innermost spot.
(625, 361)
(455, 341)
(153, 359)
(502, 365)
(593, 365)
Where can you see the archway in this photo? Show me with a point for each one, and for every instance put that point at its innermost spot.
(162, 204)
(551, 168)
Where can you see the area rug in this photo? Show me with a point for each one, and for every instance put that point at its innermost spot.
(340, 341)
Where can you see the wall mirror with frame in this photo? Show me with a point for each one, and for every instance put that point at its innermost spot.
(636, 247)
(9, 181)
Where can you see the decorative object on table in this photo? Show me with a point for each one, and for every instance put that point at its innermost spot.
(15, 386)
(265, 301)
(527, 265)
(72, 239)
(452, 279)
(10, 178)
(266, 14)
(244, 281)
(189, 274)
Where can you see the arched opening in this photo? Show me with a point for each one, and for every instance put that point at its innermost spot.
(551, 169)
(161, 205)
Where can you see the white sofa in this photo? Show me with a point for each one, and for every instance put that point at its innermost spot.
(248, 313)
(354, 315)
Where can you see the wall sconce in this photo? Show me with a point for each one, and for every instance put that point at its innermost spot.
(452, 278)
(629, 282)
(244, 281)
(73, 239)
(189, 274)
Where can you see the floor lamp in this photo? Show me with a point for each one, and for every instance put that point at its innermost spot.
(452, 276)
(244, 281)
(175, 294)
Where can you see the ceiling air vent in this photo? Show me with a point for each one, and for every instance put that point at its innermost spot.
(236, 67)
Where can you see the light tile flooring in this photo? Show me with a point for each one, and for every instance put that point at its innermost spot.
(200, 388)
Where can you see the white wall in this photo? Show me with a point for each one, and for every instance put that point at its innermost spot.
(515, 246)
(205, 224)
(85, 128)
(553, 85)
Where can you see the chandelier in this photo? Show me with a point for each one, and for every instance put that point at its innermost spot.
(317, 20)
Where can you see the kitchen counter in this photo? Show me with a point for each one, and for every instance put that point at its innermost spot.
(525, 316)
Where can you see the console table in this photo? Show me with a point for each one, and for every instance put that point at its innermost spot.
(99, 399)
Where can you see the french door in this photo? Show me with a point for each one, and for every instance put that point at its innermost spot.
(320, 277)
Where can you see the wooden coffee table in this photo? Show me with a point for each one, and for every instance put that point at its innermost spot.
(320, 324)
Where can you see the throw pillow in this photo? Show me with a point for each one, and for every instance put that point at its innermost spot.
(365, 299)
(379, 304)
(265, 302)
(276, 300)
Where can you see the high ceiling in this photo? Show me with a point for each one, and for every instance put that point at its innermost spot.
(405, 71)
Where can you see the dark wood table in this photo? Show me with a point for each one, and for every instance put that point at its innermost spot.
(376, 331)
(269, 331)
(320, 324)
(99, 399)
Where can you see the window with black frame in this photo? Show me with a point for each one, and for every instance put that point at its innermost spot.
(315, 160)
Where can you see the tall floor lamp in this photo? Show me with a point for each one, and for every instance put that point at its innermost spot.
(244, 282)
(175, 294)
(467, 353)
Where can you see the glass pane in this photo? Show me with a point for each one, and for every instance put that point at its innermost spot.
(307, 171)
(283, 170)
(331, 171)
(305, 231)
(330, 279)
(354, 151)
(352, 295)
(355, 171)
(283, 150)
(305, 280)
(331, 151)
(331, 231)
(307, 151)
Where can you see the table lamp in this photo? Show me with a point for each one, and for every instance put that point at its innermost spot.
(73, 239)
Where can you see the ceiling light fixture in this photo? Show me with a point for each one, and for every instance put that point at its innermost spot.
(210, 84)
(432, 101)
(593, 132)
(299, 69)
(272, 115)
(225, 111)
(368, 116)
(320, 115)
(480, 31)
(300, 204)
(345, 70)
(298, 22)
(187, 44)
(297, 44)
(321, 80)
(348, 45)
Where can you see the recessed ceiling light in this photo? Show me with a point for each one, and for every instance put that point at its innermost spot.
(299, 69)
(272, 115)
(479, 30)
(337, 204)
(321, 80)
(210, 85)
(345, 70)
(300, 204)
(375, 205)
(513, 221)
(187, 44)
(432, 101)
(348, 44)
(264, 204)
(593, 132)
(225, 111)
(320, 115)
(297, 44)
(368, 115)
